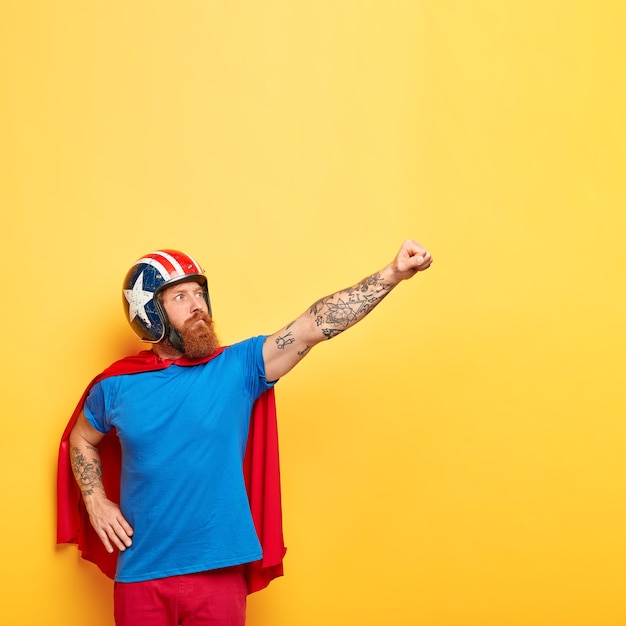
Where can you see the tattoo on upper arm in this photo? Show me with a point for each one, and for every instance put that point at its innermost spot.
(88, 473)
(285, 340)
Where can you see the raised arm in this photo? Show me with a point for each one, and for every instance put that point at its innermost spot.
(333, 314)
(105, 516)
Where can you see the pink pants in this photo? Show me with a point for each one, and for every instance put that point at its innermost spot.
(214, 598)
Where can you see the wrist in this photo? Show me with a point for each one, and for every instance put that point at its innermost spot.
(392, 275)
(93, 496)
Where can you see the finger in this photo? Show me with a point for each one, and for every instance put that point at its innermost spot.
(128, 529)
(113, 536)
(426, 259)
(419, 259)
(412, 248)
(121, 537)
(116, 540)
(105, 540)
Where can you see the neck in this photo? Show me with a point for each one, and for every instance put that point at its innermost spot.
(165, 350)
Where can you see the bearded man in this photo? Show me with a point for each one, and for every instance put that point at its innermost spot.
(197, 526)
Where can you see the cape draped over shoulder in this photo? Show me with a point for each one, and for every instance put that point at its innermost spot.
(260, 466)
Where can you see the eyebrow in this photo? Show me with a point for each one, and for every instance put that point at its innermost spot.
(181, 288)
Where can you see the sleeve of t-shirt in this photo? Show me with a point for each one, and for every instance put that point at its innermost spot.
(251, 353)
(95, 409)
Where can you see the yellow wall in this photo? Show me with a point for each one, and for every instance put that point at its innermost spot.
(458, 458)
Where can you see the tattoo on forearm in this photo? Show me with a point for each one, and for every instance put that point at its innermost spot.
(340, 311)
(303, 352)
(88, 473)
(375, 281)
(329, 333)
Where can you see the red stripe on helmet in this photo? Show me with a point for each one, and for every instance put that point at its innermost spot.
(172, 269)
(172, 263)
(187, 263)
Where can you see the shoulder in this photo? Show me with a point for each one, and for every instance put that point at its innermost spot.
(247, 347)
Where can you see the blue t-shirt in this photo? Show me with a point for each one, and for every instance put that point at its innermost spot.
(183, 434)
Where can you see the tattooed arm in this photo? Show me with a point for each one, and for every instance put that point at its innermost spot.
(105, 516)
(333, 314)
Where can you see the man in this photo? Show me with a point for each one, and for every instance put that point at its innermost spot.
(189, 523)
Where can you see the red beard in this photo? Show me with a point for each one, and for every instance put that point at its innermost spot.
(199, 338)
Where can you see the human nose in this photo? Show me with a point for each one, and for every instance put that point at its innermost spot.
(197, 304)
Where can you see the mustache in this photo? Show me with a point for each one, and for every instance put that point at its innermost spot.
(196, 316)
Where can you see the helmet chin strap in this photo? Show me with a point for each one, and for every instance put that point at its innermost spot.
(175, 339)
(168, 330)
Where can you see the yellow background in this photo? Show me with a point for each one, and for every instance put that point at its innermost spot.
(458, 458)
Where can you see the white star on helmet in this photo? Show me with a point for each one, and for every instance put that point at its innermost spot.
(137, 299)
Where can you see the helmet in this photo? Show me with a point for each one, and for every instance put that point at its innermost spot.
(144, 281)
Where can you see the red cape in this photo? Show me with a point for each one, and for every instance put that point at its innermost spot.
(261, 471)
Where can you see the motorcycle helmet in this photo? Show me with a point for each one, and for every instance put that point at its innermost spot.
(148, 276)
